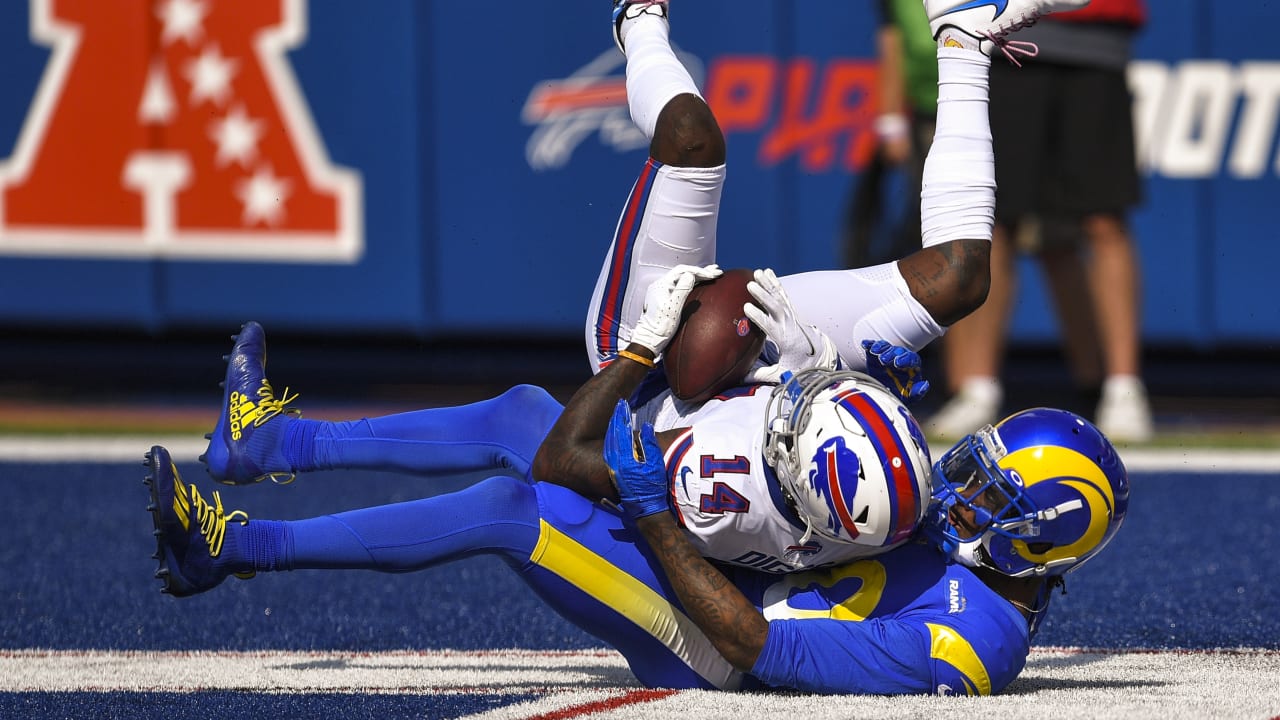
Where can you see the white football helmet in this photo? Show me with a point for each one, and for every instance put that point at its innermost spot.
(850, 458)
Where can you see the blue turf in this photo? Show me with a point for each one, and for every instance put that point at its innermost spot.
(1192, 568)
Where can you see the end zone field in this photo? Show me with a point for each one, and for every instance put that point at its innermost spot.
(1180, 618)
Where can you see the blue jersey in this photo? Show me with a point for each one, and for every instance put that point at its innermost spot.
(907, 621)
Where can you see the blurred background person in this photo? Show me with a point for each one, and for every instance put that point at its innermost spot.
(1067, 177)
(883, 219)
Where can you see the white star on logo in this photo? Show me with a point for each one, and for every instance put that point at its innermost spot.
(237, 137)
(183, 20)
(157, 104)
(210, 76)
(263, 196)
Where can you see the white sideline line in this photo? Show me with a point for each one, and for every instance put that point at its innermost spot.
(1201, 460)
(96, 448)
(14, 448)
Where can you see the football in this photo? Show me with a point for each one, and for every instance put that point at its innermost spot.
(715, 344)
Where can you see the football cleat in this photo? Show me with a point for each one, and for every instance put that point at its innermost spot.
(984, 24)
(189, 529)
(627, 9)
(248, 402)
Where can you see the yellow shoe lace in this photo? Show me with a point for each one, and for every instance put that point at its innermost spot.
(270, 407)
(213, 520)
(213, 523)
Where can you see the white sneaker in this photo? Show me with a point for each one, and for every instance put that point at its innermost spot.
(985, 24)
(977, 404)
(1124, 413)
(624, 10)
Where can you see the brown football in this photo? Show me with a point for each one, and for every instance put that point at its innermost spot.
(715, 344)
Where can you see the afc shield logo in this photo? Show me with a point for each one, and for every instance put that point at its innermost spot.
(174, 128)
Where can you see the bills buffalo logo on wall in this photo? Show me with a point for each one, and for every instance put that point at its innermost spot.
(174, 128)
(818, 113)
(593, 99)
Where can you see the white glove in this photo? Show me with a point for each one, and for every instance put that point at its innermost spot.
(790, 345)
(663, 303)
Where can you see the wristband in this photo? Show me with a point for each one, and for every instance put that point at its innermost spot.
(637, 358)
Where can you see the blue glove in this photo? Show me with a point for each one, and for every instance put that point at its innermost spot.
(897, 368)
(641, 479)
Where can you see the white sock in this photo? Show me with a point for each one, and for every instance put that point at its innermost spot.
(982, 389)
(1123, 385)
(654, 74)
(958, 199)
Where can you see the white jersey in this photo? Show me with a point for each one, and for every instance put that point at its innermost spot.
(724, 493)
(670, 219)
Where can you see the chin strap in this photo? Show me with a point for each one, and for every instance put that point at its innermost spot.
(808, 531)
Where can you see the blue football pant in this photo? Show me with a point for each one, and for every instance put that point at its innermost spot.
(501, 435)
(578, 556)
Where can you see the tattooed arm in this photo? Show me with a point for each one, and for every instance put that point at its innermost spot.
(572, 453)
(950, 279)
(733, 625)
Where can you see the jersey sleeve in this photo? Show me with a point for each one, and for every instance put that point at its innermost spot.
(890, 656)
(882, 657)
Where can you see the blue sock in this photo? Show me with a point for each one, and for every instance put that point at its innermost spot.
(247, 547)
(497, 516)
(297, 444)
(259, 544)
(265, 444)
(500, 435)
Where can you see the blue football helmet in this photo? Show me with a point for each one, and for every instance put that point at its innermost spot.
(1036, 495)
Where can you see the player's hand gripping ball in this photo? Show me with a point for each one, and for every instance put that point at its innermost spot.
(716, 344)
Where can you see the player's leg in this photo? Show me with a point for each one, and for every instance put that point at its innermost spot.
(911, 301)
(671, 214)
(576, 555)
(500, 434)
(201, 544)
(1063, 267)
(256, 437)
(1099, 159)
(1021, 108)
(973, 351)
(1124, 411)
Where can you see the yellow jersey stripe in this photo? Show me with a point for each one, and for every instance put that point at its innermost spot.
(950, 647)
(624, 594)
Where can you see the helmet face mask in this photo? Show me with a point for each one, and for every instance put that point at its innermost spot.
(849, 457)
(1036, 495)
